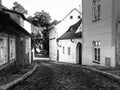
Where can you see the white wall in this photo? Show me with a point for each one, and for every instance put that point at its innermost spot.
(63, 26)
(53, 45)
(60, 29)
(27, 26)
(98, 31)
(64, 57)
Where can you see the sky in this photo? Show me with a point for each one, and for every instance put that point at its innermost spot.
(57, 9)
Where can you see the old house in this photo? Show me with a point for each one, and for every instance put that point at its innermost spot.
(70, 49)
(20, 19)
(71, 18)
(14, 39)
(101, 29)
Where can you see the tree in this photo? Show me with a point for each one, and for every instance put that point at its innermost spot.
(19, 8)
(43, 20)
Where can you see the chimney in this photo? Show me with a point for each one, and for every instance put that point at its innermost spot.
(0, 5)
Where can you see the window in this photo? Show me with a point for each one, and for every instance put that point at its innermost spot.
(78, 17)
(63, 49)
(71, 17)
(3, 50)
(97, 54)
(96, 10)
(27, 46)
(96, 48)
(12, 49)
(69, 52)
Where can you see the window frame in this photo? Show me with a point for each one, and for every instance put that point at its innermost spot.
(63, 50)
(4, 51)
(96, 52)
(69, 51)
(96, 10)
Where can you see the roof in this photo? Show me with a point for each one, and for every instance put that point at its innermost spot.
(70, 13)
(12, 11)
(71, 32)
(11, 25)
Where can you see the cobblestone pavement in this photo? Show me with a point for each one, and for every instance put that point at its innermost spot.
(51, 76)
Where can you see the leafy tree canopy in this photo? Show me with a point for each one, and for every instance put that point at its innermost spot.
(43, 20)
(19, 8)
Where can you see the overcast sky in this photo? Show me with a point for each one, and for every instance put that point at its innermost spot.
(58, 9)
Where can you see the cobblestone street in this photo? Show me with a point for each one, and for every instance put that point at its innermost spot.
(51, 76)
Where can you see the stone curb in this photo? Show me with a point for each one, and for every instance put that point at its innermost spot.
(7, 86)
(110, 76)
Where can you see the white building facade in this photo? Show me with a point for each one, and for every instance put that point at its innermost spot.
(101, 32)
(70, 49)
(70, 19)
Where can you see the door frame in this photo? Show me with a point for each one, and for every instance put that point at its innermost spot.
(79, 53)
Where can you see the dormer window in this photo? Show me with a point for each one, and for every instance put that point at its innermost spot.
(71, 17)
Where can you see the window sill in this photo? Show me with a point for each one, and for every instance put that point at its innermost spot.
(96, 20)
(12, 60)
(97, 62)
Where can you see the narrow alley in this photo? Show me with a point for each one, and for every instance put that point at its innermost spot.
(52, 76)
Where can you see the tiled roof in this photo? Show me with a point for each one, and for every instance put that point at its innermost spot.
(12, 11)
(11, 25)
(71, 32)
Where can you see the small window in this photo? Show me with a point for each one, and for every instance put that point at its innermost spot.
(63, 49)
(78, 17)
(3, 50)
(69, 51)
(71, 17)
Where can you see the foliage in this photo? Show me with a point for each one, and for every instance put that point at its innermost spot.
(43, 20)
(19, 8)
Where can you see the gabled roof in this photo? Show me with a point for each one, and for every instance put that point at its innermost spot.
(70, 13)
(71, 32)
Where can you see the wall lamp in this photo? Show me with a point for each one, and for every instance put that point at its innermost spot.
(58, 43)
(72, 40)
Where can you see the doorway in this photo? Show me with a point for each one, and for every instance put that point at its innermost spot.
(79, 53)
